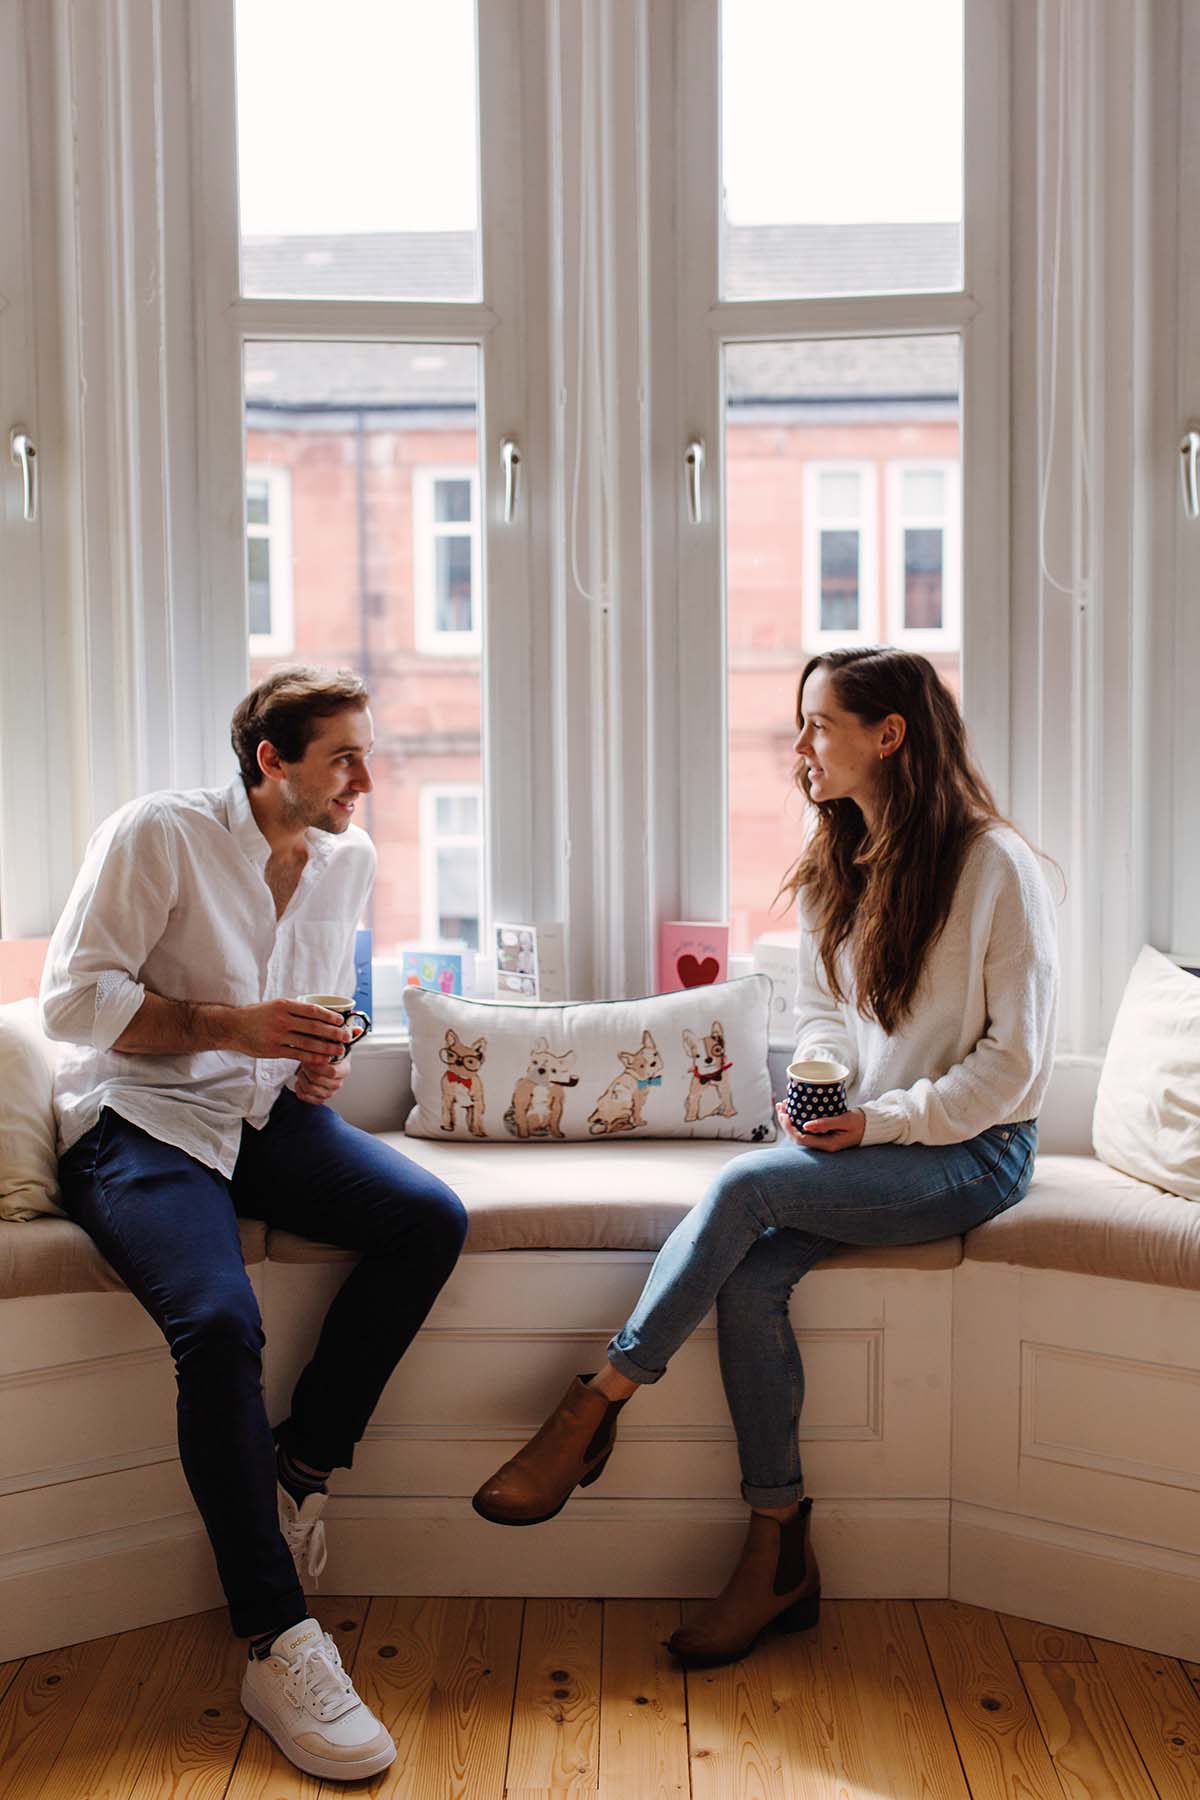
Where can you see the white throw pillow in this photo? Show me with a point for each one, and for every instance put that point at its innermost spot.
(28, 1141)
(1147, 1118)
(690, 1064)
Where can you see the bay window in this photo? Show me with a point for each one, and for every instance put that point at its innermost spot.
(574, 373)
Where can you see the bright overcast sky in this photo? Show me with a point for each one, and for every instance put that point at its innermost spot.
(360, 116)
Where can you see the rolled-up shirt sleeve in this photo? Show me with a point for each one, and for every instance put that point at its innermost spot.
(116, 913)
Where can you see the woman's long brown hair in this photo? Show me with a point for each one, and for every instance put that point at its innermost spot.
(890, 889)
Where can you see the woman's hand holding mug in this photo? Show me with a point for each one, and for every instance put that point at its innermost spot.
(814, 1112)
(843, 1132)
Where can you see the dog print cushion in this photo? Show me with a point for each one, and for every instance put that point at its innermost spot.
(690, 1064)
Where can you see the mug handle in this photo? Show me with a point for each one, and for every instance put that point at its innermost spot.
(366, 1026)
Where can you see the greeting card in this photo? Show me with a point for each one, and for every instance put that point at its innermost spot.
(530, 963)
(691, 953)
(363, 995)
(439, 970)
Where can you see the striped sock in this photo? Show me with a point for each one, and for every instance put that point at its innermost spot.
(299, 1483)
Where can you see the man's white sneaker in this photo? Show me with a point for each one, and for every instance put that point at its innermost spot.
(304, 1531)
(303, 1699)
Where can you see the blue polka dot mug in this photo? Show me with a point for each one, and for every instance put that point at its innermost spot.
(815, 1090)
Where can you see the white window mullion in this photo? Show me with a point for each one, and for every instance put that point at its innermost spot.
(700, 772)
(517, 759)
(984, 431)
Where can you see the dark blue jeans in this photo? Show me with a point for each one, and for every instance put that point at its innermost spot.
(168, 1226)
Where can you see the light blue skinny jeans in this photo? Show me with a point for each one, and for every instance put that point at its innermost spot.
(768, 1217)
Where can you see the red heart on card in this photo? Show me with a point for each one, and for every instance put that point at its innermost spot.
(697, 974)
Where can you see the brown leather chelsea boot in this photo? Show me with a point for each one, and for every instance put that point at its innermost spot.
(569, 1451)
(776, 1586)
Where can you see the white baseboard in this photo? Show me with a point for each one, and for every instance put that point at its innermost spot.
(113, 1581)
(630, 1547)
(1135, 1593)
(66, 1592)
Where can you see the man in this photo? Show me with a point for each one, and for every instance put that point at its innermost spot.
(172, 976)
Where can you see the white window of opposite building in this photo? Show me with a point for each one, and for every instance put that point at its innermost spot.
(451, 865)
(924, 559)
(269, 561)
(446, 561)
(841, 556)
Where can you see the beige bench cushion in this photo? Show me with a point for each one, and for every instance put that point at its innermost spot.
(614, 1196)
(56, 1256)
(1084, 1217)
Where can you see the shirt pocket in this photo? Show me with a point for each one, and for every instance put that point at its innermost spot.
(322, 960)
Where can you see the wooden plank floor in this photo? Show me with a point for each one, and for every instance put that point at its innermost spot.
(512, 1700)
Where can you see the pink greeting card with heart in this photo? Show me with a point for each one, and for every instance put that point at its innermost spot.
(691, 953)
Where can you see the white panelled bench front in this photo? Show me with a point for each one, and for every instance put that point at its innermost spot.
(1018, 1428)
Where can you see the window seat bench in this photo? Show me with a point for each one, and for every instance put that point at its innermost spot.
(1012, 1418)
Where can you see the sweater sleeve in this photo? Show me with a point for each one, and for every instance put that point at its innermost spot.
(821, 1029)
(989, 1086)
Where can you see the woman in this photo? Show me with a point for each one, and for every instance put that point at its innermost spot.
(928, 966)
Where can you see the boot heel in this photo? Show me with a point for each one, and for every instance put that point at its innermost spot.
(597, 1472)
(802, 1615)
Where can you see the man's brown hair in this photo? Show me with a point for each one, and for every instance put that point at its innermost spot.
(284, 710)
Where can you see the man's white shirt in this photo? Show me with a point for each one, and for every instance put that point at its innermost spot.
(172, 898)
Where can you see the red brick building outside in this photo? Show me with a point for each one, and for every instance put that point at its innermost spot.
(842, 525)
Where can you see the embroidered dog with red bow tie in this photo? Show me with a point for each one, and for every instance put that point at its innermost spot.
(461, 1085)
(708, 1095)
(619, 1107)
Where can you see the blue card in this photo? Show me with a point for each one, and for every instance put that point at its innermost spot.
(362, 972)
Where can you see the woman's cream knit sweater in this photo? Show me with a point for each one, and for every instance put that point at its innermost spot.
(977, 1048)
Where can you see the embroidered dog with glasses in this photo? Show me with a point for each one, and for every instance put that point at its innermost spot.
(461, 1085)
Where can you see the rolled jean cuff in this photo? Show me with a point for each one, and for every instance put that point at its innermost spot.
(773, 1496)
(630, 1370)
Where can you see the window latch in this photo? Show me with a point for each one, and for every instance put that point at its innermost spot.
(693, 463)
(24, 455)
(510, 456)
(1189, 449)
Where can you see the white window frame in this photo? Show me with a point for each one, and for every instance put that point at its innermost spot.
(522, 845)
(692, 842)
(947, 636)
(281, 638)
(431, 842)
(431, 641)
(867, 526)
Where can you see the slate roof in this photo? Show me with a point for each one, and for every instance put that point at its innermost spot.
(763, 261)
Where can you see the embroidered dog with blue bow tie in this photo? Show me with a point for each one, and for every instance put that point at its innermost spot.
(619, 1107)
